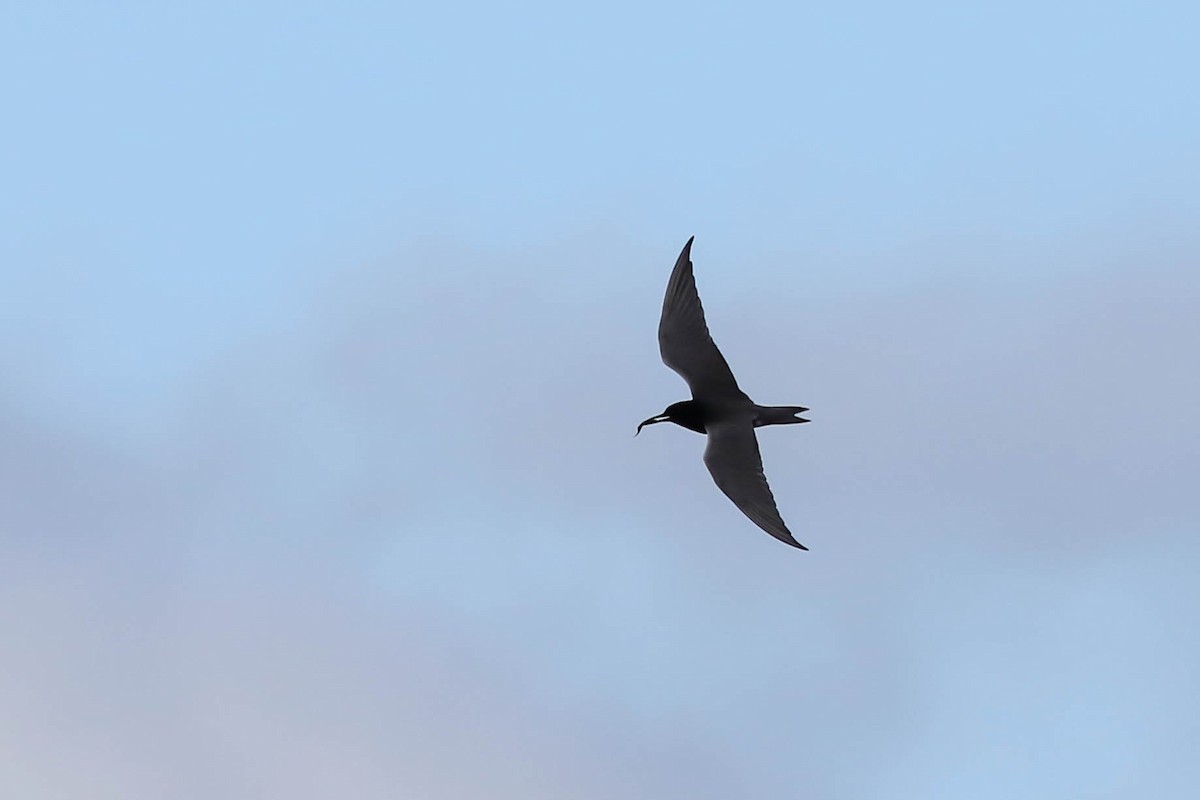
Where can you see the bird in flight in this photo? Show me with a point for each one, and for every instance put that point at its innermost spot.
(718, 407)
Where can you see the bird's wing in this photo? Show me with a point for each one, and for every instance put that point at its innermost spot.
(733, 459)
(683, 337)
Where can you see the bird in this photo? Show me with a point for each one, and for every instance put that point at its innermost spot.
(718, 408)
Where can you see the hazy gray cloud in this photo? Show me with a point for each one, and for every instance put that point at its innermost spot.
(407, 545)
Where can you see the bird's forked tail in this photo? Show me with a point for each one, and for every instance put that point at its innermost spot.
(778, 415)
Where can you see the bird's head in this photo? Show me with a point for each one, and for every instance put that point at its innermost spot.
(681, 413)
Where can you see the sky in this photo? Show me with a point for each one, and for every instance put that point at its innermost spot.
(325, 330)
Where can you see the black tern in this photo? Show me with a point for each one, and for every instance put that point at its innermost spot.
(718, 407)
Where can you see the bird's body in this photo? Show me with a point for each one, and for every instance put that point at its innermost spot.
(697, 415)
(718, 408)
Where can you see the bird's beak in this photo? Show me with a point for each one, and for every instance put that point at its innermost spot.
(651, 421)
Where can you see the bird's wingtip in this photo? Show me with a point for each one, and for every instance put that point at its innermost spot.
(786, 537)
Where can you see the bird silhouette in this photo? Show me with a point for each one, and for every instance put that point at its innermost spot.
(718, 407)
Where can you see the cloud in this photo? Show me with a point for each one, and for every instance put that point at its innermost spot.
(406, 544)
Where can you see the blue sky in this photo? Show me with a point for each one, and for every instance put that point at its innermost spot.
(325, 331)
